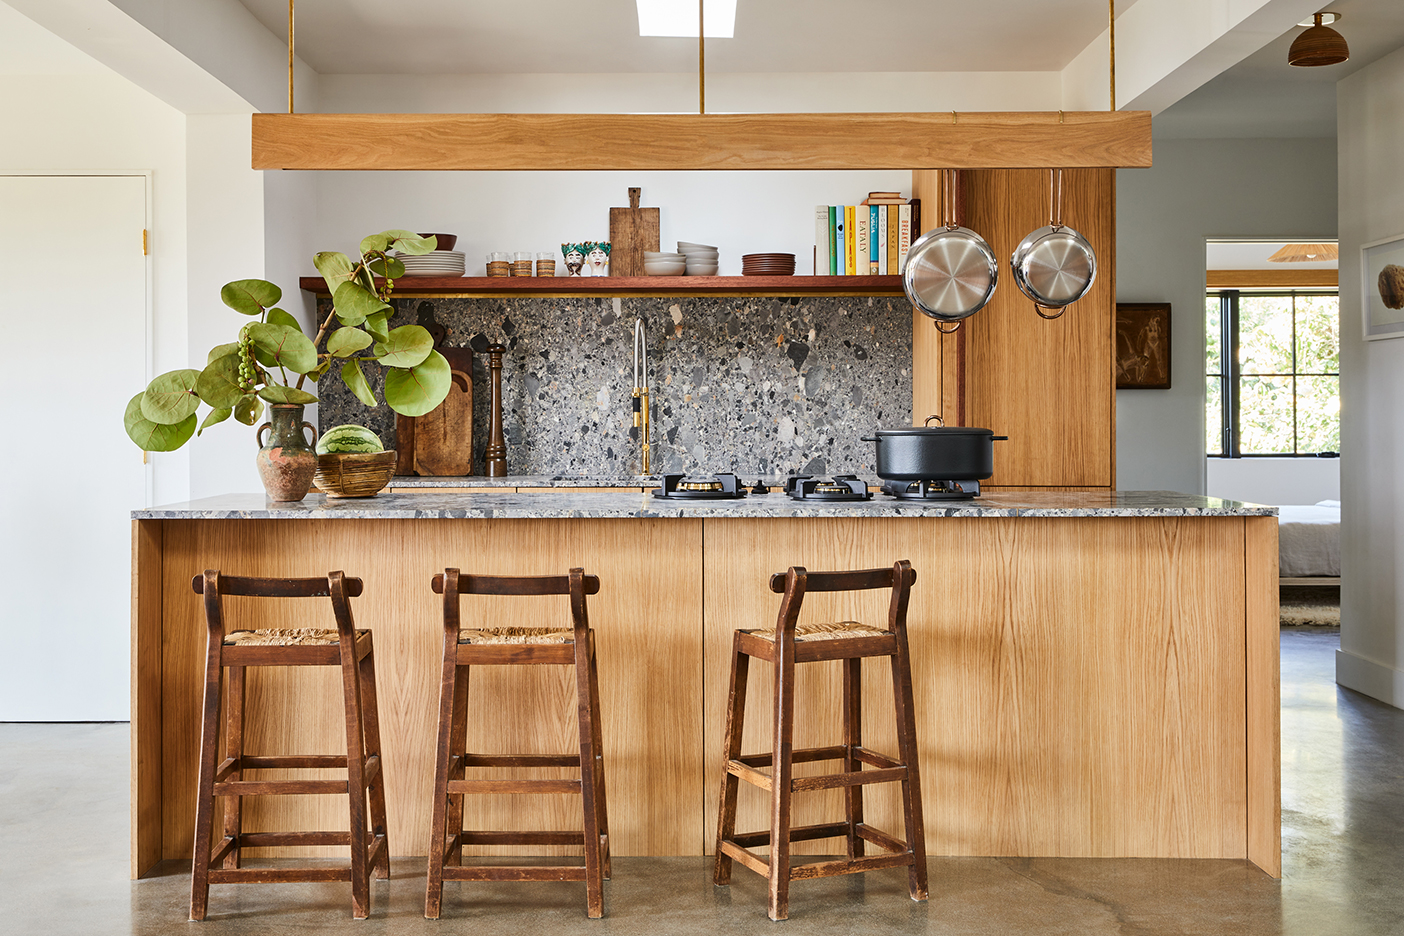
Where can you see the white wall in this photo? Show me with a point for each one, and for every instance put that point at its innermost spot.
(1275, 481)
(1370, 127)
(1199, 190)
(225, 230)
(103, 122)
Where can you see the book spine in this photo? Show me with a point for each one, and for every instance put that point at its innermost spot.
(894, 216)
(882, 240)
(821, 240)
(841, 227)
(872, 266)
(904, 237)
(850, 224)
(833, 243)
(859, 240)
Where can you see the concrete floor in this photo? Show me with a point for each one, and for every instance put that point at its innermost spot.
(64, 844)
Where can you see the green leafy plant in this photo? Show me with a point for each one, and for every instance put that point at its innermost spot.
(260, 367)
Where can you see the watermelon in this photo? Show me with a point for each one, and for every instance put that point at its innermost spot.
(341, 440)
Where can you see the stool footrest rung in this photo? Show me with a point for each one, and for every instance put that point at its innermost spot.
(483, 837)
(515, 873)
(518, 760)
(277, 839)
(513, 786)
(848, 779)
(801, 756)
(277, 875)
(750, 774)
(820, 869)
(874, 759)
(279, 787)
(797, 834)
(750, 859)
(881, 839)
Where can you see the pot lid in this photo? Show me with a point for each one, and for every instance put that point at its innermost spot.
(937, 431)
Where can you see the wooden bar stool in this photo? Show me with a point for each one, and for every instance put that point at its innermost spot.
(465, 648)
(792, 643)
(345, 647)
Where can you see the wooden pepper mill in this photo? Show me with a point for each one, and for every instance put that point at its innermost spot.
(495, 458)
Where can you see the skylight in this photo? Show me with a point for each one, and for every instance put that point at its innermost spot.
(679, 18)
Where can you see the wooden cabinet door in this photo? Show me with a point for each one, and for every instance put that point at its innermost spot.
(1045, 384)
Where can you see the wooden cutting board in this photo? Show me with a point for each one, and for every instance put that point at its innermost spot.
(632, 230)
(440, 443)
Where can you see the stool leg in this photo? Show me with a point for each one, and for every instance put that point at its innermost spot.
(600, 803)
(852, 739)
(355, 779)
(589, 779)
(370, 712)
(438, 836)
(204, 796)
(911, 787)
(234, 747)
(731, 749)
(458, 747)
(781, 776)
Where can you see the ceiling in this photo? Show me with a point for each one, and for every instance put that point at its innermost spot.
(29, 49)
(1253, 255)
(1263, 96)
(556, 37)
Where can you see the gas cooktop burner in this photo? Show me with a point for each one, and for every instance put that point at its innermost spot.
(837, 488)
(709, 487)
(932, 490)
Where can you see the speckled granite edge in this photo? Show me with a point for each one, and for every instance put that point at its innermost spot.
(431, 505)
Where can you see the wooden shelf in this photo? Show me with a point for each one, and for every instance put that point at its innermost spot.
(578, 286)
(968, 140)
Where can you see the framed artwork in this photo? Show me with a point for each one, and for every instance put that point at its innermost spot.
(1143, 346)
(1382, 266)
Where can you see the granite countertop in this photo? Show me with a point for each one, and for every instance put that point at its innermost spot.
(430, 505)
(520, 481)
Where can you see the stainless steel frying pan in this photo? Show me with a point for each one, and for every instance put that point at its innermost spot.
(1054, 266)
(951, 271)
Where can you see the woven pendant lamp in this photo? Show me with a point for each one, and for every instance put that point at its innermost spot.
(1305, 253)
(1319, 45)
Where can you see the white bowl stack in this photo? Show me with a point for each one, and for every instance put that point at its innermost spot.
(434, 263)
(702, 259)
(664, 264)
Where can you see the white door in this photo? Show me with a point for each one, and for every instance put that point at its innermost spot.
(75, 325)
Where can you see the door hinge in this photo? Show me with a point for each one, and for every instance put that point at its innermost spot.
(145, 250)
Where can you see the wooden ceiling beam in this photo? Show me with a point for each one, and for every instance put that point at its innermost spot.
(991, 140)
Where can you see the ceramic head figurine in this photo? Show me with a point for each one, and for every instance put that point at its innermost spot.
(597, 257)
(574, 259)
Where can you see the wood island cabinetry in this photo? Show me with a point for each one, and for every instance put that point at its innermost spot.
(1095, 674)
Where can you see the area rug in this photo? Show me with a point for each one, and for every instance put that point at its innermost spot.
(1310, 615)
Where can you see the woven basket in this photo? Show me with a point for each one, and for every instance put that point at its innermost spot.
(360, 474)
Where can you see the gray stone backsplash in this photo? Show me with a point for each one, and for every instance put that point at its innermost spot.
(761, 386)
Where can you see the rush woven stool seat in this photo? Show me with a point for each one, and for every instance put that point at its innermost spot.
(345, 647)
(788, 644)
(465, 648)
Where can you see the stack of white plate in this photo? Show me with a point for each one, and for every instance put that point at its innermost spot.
(664, 264)
(434, 263)
(702, 259)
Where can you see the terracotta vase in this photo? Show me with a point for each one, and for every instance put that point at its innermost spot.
(286, 463)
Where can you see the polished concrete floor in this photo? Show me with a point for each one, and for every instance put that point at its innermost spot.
(64, 843)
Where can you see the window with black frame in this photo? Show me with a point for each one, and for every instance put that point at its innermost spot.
(1272, 373)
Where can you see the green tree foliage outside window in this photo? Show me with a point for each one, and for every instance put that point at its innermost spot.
(1280, 393)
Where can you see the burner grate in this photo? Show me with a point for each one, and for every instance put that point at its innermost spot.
(932, 490)
(837, 488)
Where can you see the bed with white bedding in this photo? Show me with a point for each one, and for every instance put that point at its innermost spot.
(1309, 542)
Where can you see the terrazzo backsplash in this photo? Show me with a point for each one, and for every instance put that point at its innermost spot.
(759, 386)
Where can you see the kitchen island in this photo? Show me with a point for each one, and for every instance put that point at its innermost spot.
(1096, 674)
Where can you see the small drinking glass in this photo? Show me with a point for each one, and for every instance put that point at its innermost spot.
(545, 264)
(498, 264)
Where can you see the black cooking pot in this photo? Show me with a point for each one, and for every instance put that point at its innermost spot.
(935, 453)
